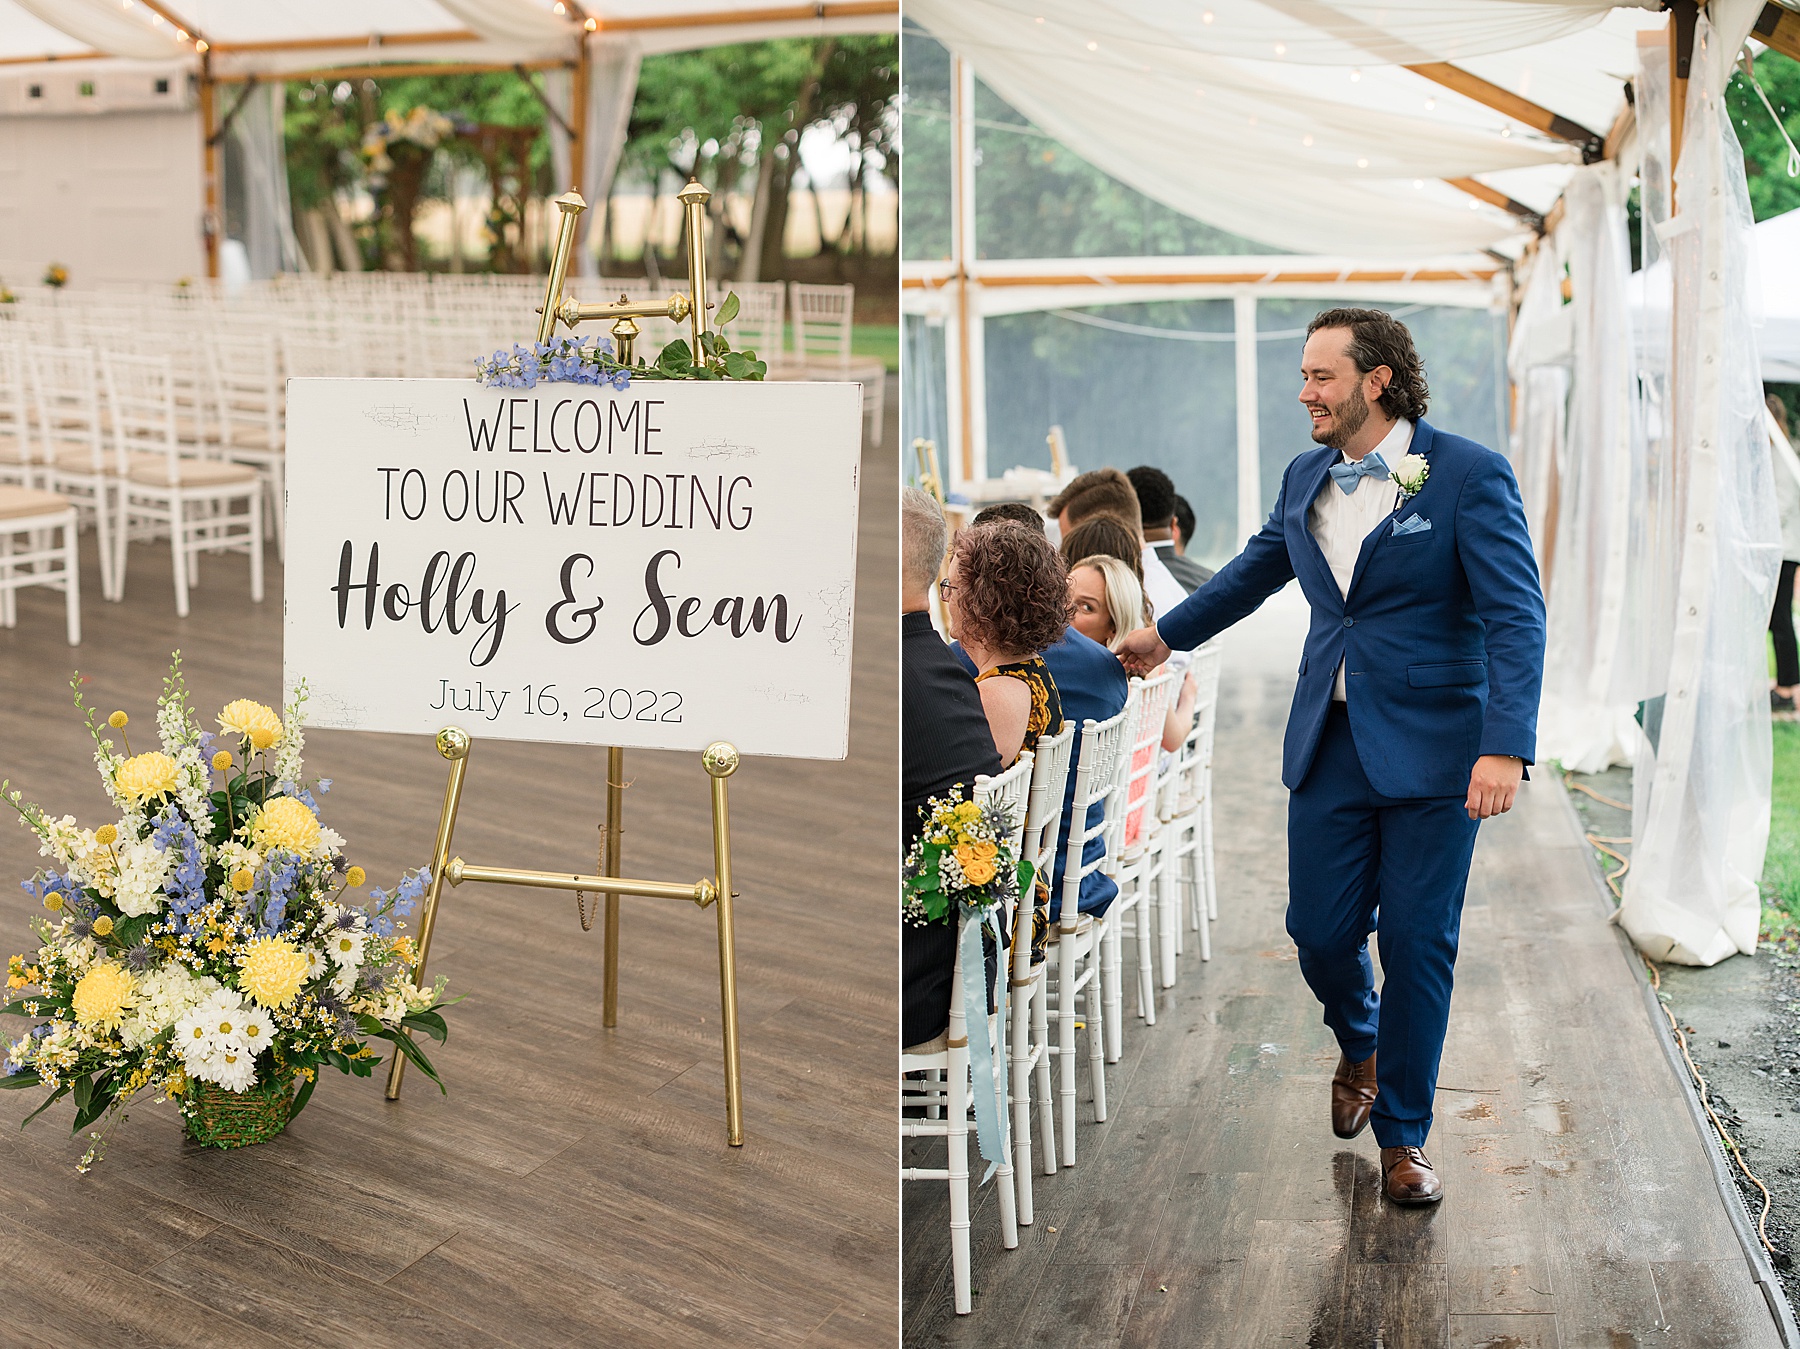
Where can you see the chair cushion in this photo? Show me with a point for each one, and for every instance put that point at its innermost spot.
(19, 502)
(154, 472)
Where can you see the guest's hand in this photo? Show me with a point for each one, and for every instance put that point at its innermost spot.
(1142, 651)
(1493, 785)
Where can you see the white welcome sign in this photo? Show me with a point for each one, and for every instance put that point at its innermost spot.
(661, 566)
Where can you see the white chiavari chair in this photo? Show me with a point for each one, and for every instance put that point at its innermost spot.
(823, 317)
(314, 356)
(162, 491)
(942, 1090)
(250, 399)
(1029, 1036)
(1193, 817)
(761, 324)
(1072, 960)
(18, 452)
(73, 462)
(29, 556)
(1134, 861)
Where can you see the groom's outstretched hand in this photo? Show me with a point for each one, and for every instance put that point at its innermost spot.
(1141, 652)
(1493, 785)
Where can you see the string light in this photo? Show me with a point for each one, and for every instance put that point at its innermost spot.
(558, 9)
(1093, 46)
(1474, 205)
(1362, 163)
(1306, 140)
(1206, 17)
(1355, 75)
(1418, 183)
(202, 46)
(1505, 133)
(1281, 49)
(1430, 105)
(592, 25)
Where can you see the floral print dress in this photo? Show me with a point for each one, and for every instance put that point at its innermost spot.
(1046, 719)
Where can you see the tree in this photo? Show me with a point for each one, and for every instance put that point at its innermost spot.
(1772, 191)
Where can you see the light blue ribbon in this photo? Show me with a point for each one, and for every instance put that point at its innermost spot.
(981, 1050)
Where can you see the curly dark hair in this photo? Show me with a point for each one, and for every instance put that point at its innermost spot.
(1016, 511)
(1104, 536)
(1013, 594)
(1377, 338)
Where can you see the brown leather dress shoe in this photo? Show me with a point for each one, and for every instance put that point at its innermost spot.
(1352, 1096)
(1407, 1177)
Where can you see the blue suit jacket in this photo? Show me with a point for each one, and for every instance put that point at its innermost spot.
(1441, 636)
(1093, 686)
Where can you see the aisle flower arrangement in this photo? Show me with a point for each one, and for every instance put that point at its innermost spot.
(56, 276)
(964, 857)
(209, 945)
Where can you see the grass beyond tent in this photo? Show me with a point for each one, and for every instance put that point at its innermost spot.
(1781, 869)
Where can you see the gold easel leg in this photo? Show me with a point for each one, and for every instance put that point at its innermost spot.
(615, 830)
(453, 744)
(721, 761)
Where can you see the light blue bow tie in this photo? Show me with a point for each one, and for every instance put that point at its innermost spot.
(1350, 476)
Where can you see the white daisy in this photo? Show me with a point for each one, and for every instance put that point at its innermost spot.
(345, 948)
(315, 963)
(233, 1069)
(255, 1029)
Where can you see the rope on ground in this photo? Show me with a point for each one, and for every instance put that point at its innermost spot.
(1569, 781)
(1612, 877)
(1731, 1146)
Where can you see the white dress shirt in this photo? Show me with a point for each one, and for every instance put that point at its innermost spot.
(1160, 586)
(1340, 521)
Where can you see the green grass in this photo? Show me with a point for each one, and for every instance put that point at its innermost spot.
(877, 339)
(1781, 867)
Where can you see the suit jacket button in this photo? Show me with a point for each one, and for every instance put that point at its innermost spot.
(1349, 622)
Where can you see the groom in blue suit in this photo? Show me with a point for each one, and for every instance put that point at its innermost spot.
(1415, 715)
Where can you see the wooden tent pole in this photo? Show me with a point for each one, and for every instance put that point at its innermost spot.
(209, 170)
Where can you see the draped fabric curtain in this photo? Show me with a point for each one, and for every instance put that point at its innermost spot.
(1537, 363)
(268, 214)
(106, 27)
(1583, 722)
(613, 64)
(1701, 790)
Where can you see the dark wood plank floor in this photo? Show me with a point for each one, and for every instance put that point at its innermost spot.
(1216, 1208)
(574, 1188)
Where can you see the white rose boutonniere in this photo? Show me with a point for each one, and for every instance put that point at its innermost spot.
(1410, 474)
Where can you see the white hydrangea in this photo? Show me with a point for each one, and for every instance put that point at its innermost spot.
(138, 886)
(164, 995)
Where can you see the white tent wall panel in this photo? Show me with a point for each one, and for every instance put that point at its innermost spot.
(112, 198)
(1702, 799)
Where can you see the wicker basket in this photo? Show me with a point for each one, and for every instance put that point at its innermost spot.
(217, 1118)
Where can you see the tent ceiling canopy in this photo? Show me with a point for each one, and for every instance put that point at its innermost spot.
(1322, 126)
(273, 37)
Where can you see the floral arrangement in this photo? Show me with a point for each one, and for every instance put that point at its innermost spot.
(423, 127)
(572, 360)
(1410, 474)
(6, 295)
(963, 857)
(206, 945)
(56, 275)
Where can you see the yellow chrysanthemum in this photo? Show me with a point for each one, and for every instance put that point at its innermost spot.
(103, 926)
(103, 995)
(285, 822)
(106, 835)
(355, 877)
(271, 972)
(145, 776)
(118, 721)
(252, 721)
(222, 760)
(242, 880)
(967, 811)
(979, 872)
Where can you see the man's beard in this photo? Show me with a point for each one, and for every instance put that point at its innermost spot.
(1347, 419)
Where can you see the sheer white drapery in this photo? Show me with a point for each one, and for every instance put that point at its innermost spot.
(107, 28)
(1702, 786)
(1583, 722)
(1537, 362)
(268, 214)
(613, 64)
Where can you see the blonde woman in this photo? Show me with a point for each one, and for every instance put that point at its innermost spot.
(1109, 602)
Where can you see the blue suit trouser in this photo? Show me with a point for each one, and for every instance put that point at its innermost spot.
(1360, 862)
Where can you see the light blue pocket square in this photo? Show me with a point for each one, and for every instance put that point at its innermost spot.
(1412, 524)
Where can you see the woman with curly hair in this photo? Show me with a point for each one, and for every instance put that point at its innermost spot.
(1006, 597)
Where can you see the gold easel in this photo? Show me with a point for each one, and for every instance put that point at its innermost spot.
(720, 759)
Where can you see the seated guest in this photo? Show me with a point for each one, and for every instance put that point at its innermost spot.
(1107, 600)
(1156, 502)
(1107, 536)
(1007, 598)
(1107, 491)
(1183, 532)
(1015, 511)
(945, 744)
